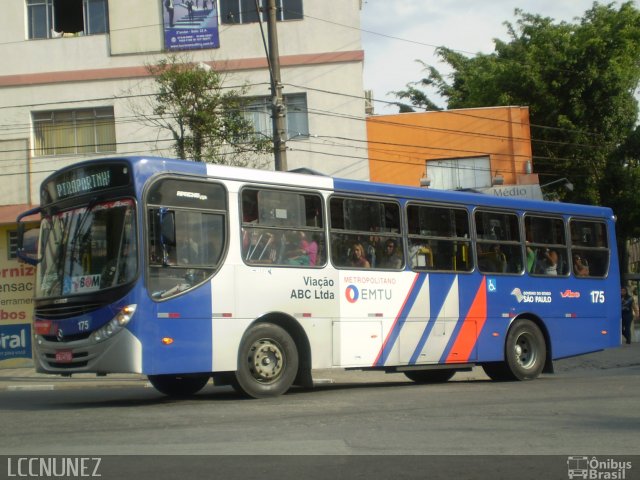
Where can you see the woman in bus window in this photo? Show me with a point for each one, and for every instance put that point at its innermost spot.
(358, 259)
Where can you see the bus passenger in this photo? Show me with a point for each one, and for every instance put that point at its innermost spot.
(550, 262)
(390, 257)
(498, 258)
(358, 259)
(531, 259)
(312, 249)
(300, 253)
(580, 266)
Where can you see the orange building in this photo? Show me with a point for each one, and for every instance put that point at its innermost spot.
(454, 149)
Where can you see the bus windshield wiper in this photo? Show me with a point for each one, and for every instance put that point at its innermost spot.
(78, 230)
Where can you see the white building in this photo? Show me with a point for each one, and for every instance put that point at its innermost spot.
(73, 69)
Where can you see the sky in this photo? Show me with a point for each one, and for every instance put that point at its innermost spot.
(397, 32)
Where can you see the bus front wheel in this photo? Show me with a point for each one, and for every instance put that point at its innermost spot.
(267, 361)
(525, 354)
(178, 385)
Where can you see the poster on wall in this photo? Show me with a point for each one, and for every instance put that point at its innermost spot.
(17, 283)
(190, 24)
(15, 343)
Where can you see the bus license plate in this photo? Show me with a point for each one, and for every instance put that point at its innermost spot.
(64, 356)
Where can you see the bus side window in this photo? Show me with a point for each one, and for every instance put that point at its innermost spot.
(282, 227)
(498, 242)
(439, 238)
(187, 237)
(360, 230)
(546, 246)
(589, 248)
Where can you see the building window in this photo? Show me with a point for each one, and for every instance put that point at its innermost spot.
(259, 113)
(459, 173)
(55, 18)
(12, 245)
(68, 132)
(244, 11)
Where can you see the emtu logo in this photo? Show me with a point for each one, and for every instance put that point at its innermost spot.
(352, 294)
(516, 292)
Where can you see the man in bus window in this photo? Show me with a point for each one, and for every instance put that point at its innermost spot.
(580, 266)
(390, 257)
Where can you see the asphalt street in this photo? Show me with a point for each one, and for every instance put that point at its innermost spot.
(15, 379)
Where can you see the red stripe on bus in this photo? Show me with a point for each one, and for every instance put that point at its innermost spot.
(471, 327)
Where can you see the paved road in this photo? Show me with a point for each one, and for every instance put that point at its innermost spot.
(589, 407)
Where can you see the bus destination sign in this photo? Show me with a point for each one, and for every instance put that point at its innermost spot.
(84, 180)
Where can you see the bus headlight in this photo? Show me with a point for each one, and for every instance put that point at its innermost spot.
(115, 325)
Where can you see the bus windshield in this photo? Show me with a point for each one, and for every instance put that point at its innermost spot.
(87, 249)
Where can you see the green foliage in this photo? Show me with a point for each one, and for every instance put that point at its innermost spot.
(579, 81)
(206, 120)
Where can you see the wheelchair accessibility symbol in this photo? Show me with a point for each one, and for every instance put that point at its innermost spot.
(491, 284)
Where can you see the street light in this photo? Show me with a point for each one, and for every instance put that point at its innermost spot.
(425, 181)
(567, 184)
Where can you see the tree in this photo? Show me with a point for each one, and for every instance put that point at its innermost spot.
(579, 81)
(206, 121)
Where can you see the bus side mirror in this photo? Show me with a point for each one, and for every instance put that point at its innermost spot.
(27, 241)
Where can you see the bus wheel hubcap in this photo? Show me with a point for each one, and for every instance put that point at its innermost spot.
(265, 360)
(525, 353)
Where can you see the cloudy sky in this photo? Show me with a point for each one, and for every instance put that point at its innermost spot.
(397, 32)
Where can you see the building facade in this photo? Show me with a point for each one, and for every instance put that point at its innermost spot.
(84, 63)
(481, 149)
(75, 78)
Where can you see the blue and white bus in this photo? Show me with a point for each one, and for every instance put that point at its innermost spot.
(186, 271)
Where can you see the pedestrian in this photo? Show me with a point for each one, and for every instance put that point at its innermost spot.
(190, 9)
(627, 313)
(168, 4)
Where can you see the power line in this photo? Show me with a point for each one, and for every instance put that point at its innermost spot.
(319, 112)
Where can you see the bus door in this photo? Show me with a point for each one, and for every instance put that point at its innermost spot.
(186, 238)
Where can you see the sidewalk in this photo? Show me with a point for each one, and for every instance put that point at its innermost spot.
(14, 379)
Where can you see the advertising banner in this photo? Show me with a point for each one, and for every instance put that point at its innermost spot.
(17, 283)
(15, 342)
(190, 24)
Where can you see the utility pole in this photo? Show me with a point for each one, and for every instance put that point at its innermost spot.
(277, 105)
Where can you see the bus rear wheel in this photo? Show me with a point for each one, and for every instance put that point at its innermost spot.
(430, 376)
(267, 361)
(525, 354)
(179, 385)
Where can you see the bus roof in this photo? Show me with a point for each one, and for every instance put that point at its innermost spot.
(340, 185)
(471, 198)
